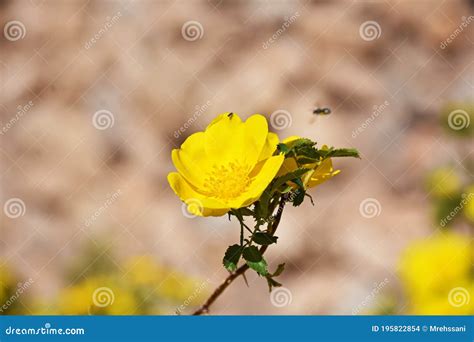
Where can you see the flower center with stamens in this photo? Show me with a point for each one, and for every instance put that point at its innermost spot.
(227, 181)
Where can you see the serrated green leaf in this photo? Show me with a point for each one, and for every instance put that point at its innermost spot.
(307, 152)
(260, 267)
(264, 238)
(252, 254)
(341, 152)
(302, 142)
(231, 257)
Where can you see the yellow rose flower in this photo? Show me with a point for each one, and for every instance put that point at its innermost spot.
(319, 172)
(227, 166)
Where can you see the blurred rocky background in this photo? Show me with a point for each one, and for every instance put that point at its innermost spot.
(96, 94)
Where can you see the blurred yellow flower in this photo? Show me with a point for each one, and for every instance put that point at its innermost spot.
(6, 282)
(319, 172)
(227, 166)
(430, 270)
(143, 271)
(444, 182)
(97, 295)
(469, 206)
(145, 287)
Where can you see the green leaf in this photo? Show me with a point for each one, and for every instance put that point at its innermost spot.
(231, 257)
(305, 160)
(264, 238)
(261, 208)
(298, 198)
(283, 148)
(279, 181)
(260, 267)
(246, 212)
(302, 142)
(341, 152)
(252, 254)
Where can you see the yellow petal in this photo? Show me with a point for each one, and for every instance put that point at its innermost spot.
(322, 173)
(224, 138)
(228, 139)
(270, 146)
(198, 204)
(289, 165)
(190, 160)
(262, 175)
(290, 139)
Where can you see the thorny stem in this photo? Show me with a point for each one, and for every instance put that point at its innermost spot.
(204, 309)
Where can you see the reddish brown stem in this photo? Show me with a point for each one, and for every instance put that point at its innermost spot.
(204, 309)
